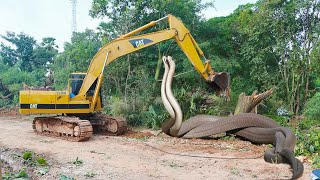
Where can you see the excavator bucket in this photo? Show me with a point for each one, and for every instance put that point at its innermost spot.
(220, 82)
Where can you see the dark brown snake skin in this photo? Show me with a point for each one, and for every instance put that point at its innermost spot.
(253, 127)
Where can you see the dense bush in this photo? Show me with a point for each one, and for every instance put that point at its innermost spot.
(308, 144)
(308, 140)
(312, 110)
(281, 120)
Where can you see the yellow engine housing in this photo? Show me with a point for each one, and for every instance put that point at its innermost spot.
(53, 102)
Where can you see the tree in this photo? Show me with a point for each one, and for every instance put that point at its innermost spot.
(145, 11)
(44, 53)
(25, 53)
(222, 40)
(134, 77)
(76, 56)
(21, 53)
(270, 43)
(281, 46)
(23, 61)
(126, 15)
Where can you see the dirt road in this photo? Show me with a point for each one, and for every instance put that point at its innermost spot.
(141, 156)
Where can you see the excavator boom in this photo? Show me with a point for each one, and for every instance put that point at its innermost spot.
(128, 43)
(82, 102)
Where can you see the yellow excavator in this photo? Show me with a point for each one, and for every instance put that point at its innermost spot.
(81, 103)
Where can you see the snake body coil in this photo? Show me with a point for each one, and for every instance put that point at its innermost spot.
(254, 127)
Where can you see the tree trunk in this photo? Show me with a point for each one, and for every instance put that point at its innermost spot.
(128, 76)
(247, 104)
(159, 63)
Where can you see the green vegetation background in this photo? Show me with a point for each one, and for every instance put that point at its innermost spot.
(271, 43)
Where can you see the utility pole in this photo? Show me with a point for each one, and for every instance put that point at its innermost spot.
(74, 15)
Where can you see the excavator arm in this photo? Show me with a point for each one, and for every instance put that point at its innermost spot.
(79, 105)
(128, 43)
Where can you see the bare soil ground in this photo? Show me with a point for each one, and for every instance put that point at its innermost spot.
(141, 155)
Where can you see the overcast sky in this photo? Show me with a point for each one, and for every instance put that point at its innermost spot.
(53, 18)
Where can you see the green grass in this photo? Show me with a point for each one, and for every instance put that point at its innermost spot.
(77, 162)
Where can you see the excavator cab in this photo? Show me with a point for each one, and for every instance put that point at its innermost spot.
(76, 80)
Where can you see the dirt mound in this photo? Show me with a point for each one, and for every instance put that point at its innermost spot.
(138, 135)
(14, 111)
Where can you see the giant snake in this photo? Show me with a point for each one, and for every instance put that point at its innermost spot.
(253, 127)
